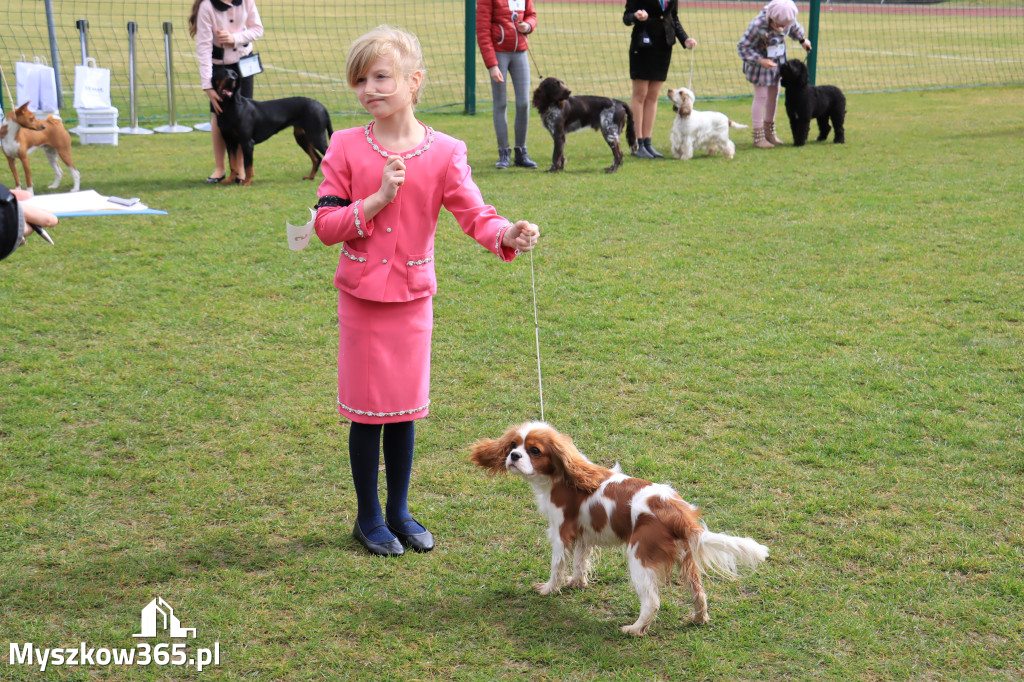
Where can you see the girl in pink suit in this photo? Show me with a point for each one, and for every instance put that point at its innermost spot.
(384, 185)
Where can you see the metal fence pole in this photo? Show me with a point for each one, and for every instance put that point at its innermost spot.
(172, 125)
(83, 34)
(469, 107)
(133, 119)
(812, 35)
(54, 52)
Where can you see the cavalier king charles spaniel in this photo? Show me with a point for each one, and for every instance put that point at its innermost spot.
(588, 506)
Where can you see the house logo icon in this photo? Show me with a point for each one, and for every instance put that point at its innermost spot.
(166, 620)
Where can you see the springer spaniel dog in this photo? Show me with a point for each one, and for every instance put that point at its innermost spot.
(589, 506)
(562, 113)
(706, 131)
(806, 102)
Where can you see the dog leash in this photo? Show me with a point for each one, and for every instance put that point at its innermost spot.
(14, 105)
(690, 86)
(536, 335)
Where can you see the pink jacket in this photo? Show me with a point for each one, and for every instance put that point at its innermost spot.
(391, 258)
(240, 18)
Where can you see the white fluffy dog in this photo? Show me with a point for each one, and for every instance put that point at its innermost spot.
(692, 129)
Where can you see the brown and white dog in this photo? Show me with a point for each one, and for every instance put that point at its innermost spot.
(22, 133)
(562, 113)
(588, 506)
(707, 131)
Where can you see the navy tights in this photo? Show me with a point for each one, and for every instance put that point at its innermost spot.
(364, 455)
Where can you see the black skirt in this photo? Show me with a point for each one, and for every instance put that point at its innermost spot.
(649, 63)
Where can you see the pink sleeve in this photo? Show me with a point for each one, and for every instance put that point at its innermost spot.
(335, 224)
(253, 26)
(204, 45)
(477, 219)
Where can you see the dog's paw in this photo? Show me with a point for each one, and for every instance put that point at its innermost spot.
(545, 588)
(700, 618)
(636, 629)
(580, 583)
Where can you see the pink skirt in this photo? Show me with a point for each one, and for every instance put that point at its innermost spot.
(384, 359)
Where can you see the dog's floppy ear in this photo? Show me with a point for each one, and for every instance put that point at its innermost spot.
(685, 105)
(490, 454)
(578, 471)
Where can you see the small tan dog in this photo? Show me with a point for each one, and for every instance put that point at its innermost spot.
(22, 133)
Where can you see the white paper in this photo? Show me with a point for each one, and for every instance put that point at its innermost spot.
(80, 202)
(298, 235)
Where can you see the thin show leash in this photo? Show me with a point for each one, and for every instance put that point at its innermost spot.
(690, 86)
(536, 335)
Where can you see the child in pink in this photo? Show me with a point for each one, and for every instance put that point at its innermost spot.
(384, 185)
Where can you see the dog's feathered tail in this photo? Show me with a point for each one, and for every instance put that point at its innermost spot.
(734, 124)
(725, 554)
(630, 129)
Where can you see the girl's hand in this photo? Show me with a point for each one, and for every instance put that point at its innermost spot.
(690, 43)
(766, 63)
(496, 74)
(523, 27)
(640, 15)
(806, 44)
(392, 178)
(225, 38)
(522, 236)
(214, 100)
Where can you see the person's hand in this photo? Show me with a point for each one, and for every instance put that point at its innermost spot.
(690, 43)
(522, 236)
(33, 214)
(766, 63)
(496, 74)
(523, 27)
(806, 44)
(224, 38)
(640, 15)
(214, 100)
(392, 178)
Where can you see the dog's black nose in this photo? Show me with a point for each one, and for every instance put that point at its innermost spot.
(514, 456)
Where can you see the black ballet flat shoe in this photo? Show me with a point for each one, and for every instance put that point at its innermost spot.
(390, 548)
(213, 181)
(417, 542)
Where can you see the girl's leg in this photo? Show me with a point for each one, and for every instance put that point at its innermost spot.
(769, 114)
(519, 71)
(364, 455)
(399, 443)
(499, 96)
(219, 148)
(650, 108)
(636, 103)
(758, 106)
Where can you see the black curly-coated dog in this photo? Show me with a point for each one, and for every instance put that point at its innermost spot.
(563, 113)
(805, 102)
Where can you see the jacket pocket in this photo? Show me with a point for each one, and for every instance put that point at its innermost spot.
(350, 267)
(421, 273)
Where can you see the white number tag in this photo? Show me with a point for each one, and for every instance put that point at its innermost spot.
(517, 5)
(776, 51)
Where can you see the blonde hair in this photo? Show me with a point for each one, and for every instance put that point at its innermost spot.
(385, 41)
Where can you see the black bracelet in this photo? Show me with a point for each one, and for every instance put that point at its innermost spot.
(331, 200)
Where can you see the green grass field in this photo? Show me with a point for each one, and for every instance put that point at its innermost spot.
(820, 346)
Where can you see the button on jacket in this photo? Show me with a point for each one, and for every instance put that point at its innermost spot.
(240, 18)
(391, 257)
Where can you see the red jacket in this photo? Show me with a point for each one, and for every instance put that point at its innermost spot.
(496, 32)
